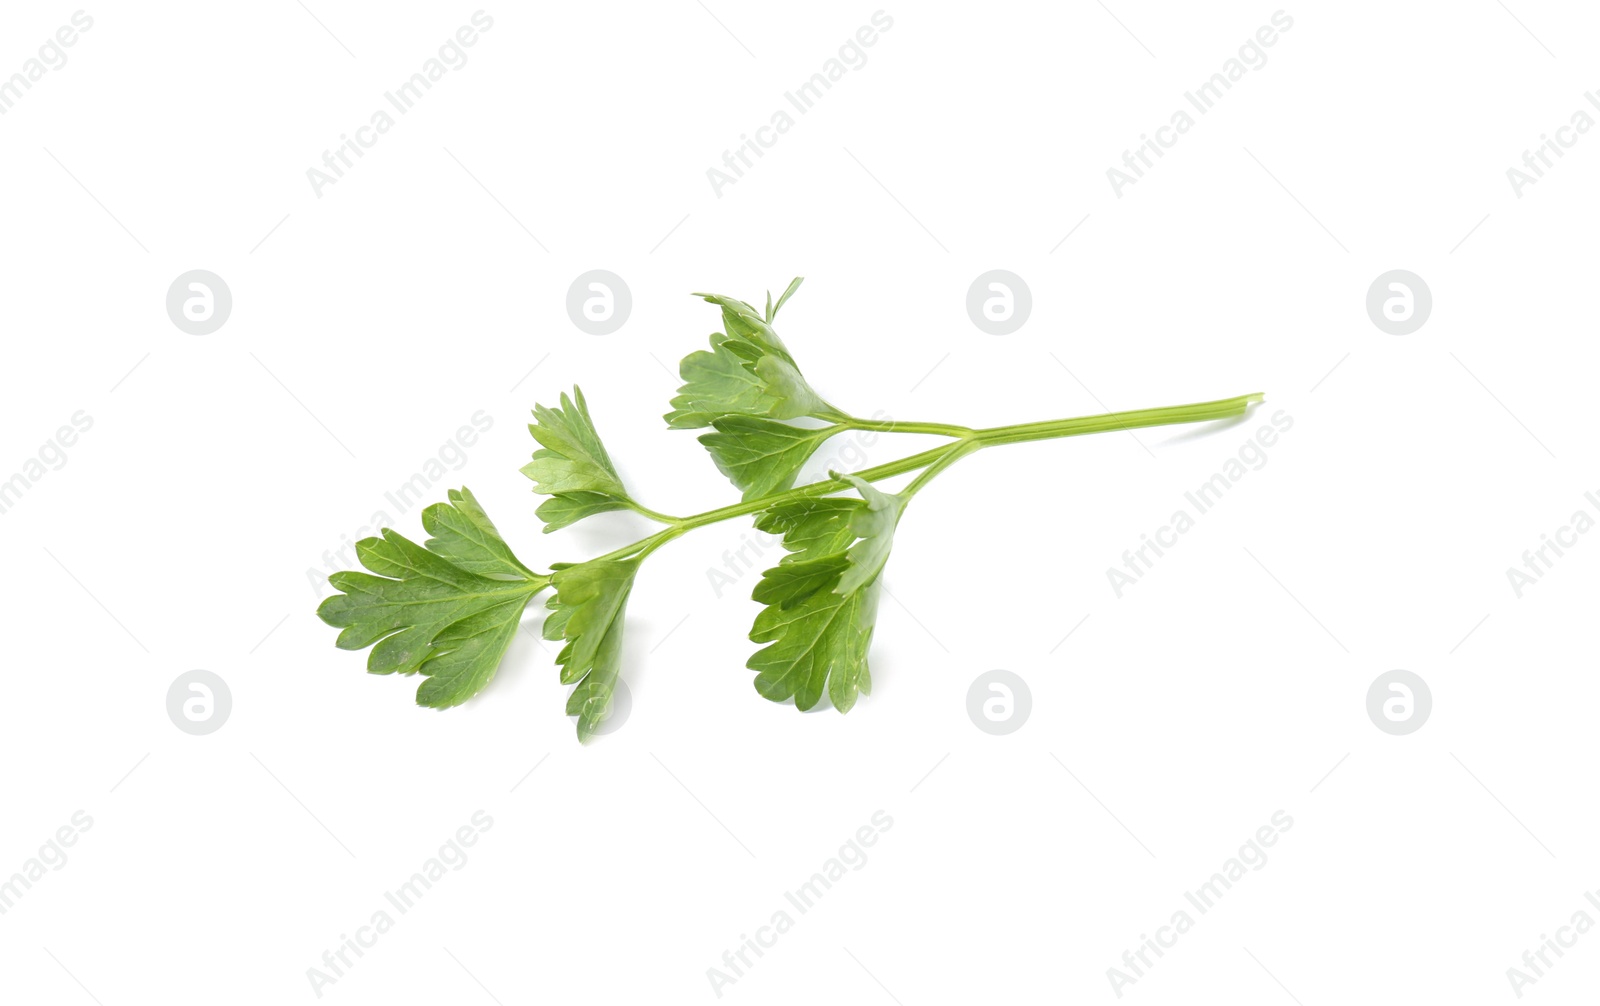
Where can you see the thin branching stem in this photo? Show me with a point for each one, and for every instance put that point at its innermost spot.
(935, 460)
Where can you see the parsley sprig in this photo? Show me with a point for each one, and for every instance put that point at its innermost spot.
(447, 609)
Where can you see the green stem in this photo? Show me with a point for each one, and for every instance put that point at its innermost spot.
(1198, 412)
(895, 426)
(823, 488)
(658, 517)
(936, 459)
(955, 452)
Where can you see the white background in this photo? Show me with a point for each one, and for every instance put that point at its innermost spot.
(372, 321)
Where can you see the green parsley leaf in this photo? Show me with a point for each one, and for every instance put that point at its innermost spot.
(587, 611)
(812, 528)
(748, 372)
(773, 309)
(447, 609)
(761, 456)
(743, 322)
(572, 466)
(822, 598)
